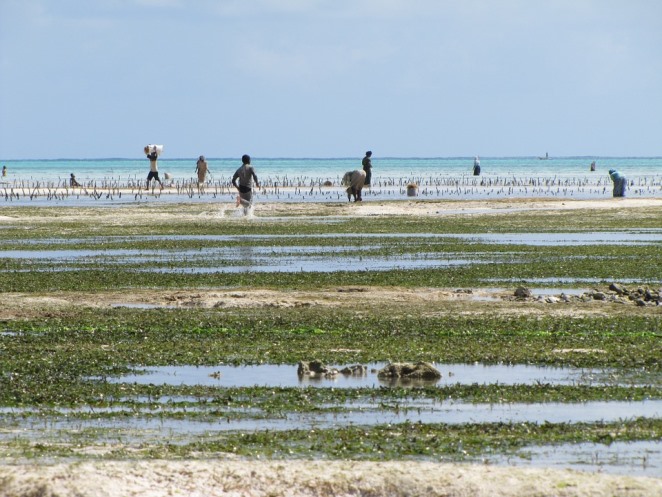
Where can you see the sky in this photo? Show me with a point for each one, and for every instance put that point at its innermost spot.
(330, 78)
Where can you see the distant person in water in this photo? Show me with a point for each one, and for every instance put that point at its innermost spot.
(354, 181)
(4, 171)
(593, 166)
(620, 183)
(72, 181)
(153, 167)
(367, 167)
(201, 168)
(243, 180)
(476, 166)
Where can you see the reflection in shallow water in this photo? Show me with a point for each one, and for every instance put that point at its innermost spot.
(269, 375)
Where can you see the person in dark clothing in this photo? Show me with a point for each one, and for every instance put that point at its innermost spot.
(476, 166)
(246, 177)
(367, 166)
(620, 183)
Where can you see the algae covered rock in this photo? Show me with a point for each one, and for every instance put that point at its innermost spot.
(355, 370)
(315, 369)
(419, 371)
(523, 293)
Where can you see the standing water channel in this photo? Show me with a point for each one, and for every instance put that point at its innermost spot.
(426, 410)
(140, 419)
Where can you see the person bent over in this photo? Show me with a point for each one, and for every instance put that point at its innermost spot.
(354, 181)
(620, 183)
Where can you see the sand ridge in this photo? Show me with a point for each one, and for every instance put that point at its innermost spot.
(211, 478)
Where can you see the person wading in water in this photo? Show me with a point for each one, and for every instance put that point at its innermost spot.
(153, 167)
(367, 167)
(246, 177)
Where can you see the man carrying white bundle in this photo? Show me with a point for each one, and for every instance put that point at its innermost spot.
(152, 155)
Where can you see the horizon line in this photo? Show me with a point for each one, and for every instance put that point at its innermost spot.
(468, 157)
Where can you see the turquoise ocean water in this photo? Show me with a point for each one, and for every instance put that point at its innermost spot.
(445, 177)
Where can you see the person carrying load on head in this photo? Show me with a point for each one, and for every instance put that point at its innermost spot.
(243, 180)
(152, 155)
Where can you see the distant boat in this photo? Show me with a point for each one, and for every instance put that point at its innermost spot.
(546, 156)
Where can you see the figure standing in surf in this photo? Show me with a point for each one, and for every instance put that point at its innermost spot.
(476, 166)
(201, 168)
(367, 167)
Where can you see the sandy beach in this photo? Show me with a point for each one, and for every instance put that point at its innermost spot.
(309, 478)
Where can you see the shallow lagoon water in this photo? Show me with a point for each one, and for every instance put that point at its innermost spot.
(624, 458)
(554, 238)
(438, 178)
(644, 458)
(217, 418)
(319, 265)
(269, 375)
(569, 239)
(264, 257)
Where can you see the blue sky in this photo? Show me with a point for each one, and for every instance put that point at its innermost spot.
(330, 78)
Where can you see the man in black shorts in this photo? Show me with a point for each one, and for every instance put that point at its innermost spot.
(153, 167)
(246, 176)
